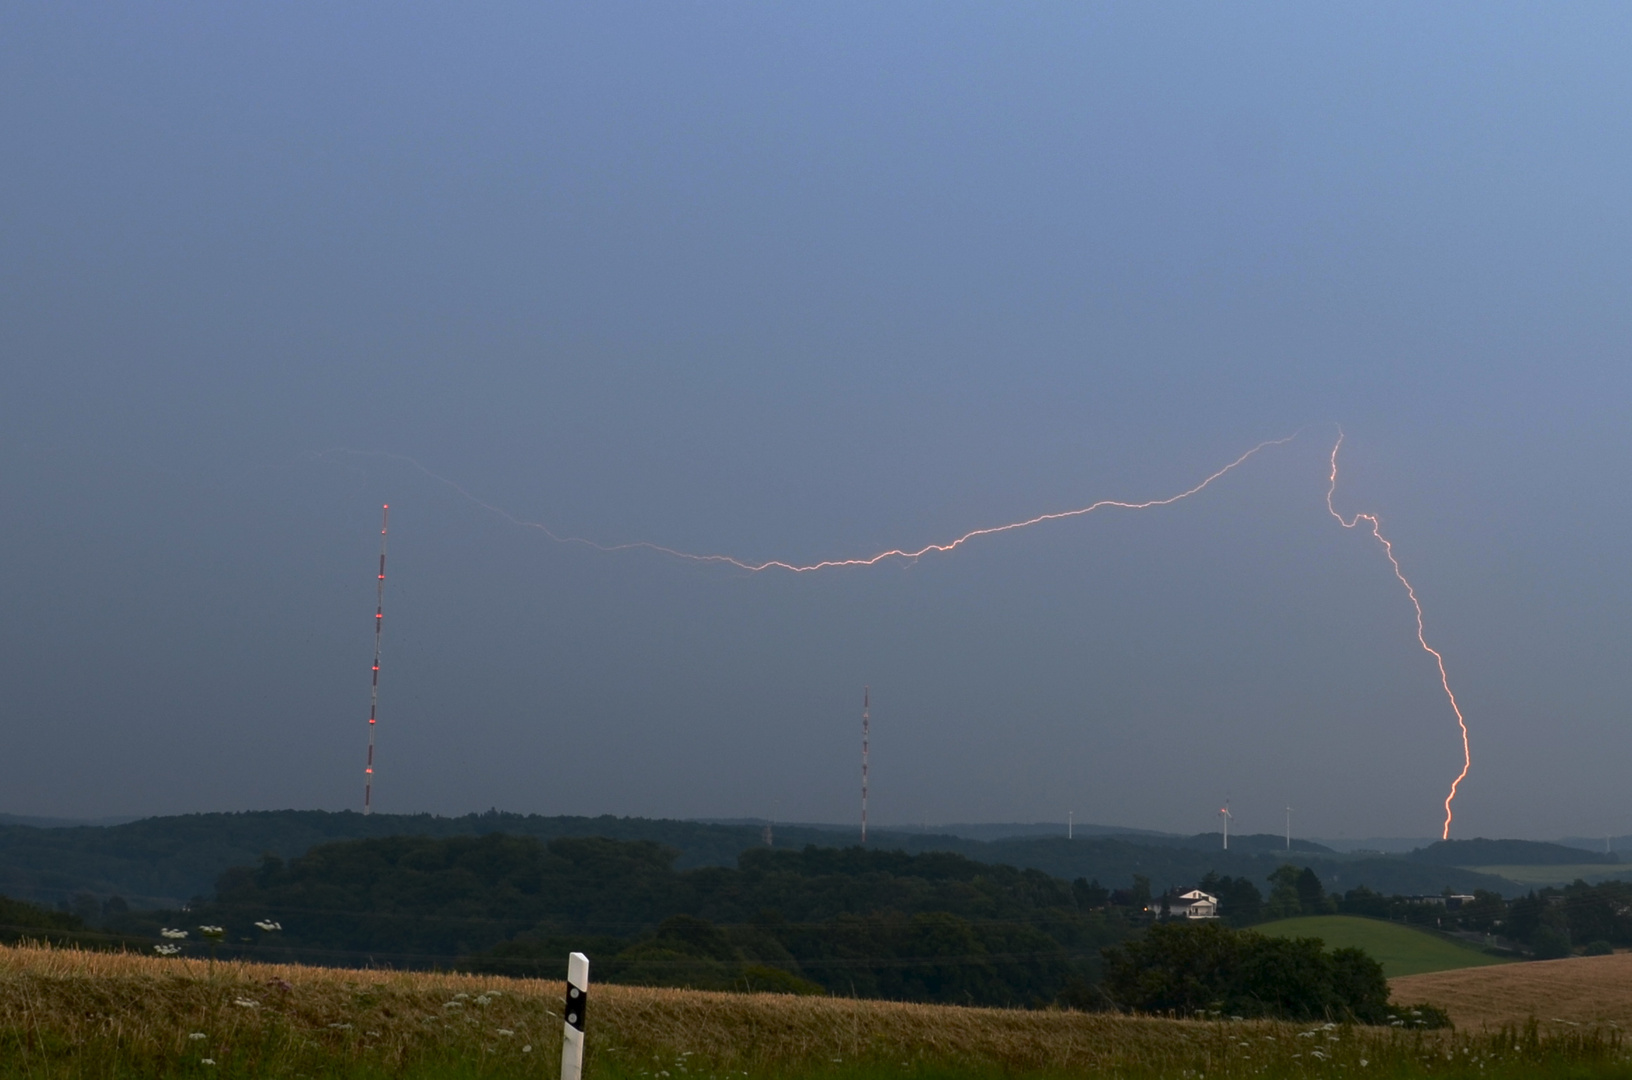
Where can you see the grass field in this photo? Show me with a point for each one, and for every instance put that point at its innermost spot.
(1401, 950)
(101, 1016)
(1581, 991)
(1592, 873)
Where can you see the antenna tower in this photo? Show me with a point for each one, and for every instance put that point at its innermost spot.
(374, 689)
(866, 732)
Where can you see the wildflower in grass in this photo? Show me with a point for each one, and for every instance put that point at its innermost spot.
(527, 1049)
(453, 1004)
(167, 949)
(482, 999)
(206, 1061)
(506, 1032)
(169, 933)
(196, 1035)
(215, 934)
(248, 1003)
(268, 925)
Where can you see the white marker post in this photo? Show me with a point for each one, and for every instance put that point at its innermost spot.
(572, 1031)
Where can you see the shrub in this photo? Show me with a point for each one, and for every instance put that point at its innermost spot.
(1424, 1017)
(1191, 969)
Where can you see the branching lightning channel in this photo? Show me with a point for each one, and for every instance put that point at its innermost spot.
(1444, 679)
(902, 554)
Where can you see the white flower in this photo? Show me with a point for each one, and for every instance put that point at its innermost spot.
(196, 1035)
(167, 950)
(483, 1000)
(527, 1049)
(453, 1004)
(268, 925)
(248, 1003)
(167, 932)
(206, 1061)
(212, 931)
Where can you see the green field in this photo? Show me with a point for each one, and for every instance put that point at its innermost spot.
(1400, 949)
(1592, 873)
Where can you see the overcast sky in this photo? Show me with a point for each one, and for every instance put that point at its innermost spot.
(802, 282)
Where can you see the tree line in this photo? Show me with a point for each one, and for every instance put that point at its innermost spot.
(935, 927)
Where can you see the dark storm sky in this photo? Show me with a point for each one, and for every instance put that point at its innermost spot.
(808, 281)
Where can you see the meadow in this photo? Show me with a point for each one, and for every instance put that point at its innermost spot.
(1533, 876)
(1580, 992)
(73, 1014)
(1402, 950)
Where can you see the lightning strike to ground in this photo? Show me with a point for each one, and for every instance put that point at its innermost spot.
(902, 554)
(1444, 680)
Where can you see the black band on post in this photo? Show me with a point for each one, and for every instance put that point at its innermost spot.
(574, 1012)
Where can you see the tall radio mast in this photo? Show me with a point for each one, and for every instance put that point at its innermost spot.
(866, 730)
(374, 689)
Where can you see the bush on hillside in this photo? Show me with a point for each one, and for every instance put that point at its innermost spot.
(1424, 1017)
(20, 920)
(1192, 969)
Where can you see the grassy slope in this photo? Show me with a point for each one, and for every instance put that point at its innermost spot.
(1583, 990)
(89, 1016)
(1564, 874)
(1400, 949)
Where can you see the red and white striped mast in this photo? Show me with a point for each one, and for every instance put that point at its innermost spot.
(374, 690)
(866, 729)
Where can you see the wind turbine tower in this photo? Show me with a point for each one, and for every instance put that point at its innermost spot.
(1289, 828)
(1226, 815)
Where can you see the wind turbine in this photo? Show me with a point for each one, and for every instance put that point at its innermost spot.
(1289, 828)
(1226, 815)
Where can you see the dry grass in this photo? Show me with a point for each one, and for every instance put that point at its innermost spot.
(152, 1005)
(65, 1013)
(1584, 990)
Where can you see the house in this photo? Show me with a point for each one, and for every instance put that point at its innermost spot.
(1451, 901)
(1194, 904)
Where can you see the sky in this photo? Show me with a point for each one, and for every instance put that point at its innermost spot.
(804, 282)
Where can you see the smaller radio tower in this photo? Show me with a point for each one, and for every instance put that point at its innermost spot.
(374, 690)
(866, 730)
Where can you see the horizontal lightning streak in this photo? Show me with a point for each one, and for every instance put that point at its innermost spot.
(1444, 679)
(828, 564)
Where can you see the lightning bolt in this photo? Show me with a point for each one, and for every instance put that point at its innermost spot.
(825, 564)
(1444, 679)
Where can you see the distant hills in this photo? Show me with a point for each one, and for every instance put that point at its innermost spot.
(168, 861)
(1482, 852)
